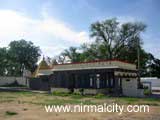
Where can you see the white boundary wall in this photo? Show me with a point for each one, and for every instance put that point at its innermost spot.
(154, 81)
(130, 88)
(9, 80)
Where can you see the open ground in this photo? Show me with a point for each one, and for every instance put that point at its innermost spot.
(30, 106)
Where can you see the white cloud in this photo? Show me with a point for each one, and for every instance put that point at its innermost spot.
(62, 31)
(125, 19)
(50, 50)
(51, 34)
(46, 32)
(150, 44)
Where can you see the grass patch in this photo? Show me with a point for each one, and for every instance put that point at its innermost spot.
(66, 98)
(71, 95)
(139, 101)
(61, 102)
(100, 96)
(6, 101)
(78, 96)
(62, 94)
(24, 92)
(152, 99)
(129, 99)
(10, 113)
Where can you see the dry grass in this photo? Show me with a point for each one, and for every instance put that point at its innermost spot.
(30, 106)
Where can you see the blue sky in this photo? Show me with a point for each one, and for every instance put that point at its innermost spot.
(54, 25)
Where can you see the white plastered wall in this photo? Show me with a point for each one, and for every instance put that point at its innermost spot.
(10, 80)
(130, 88)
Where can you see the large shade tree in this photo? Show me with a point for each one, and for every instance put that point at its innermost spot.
(25, 54)
(118, 38)
(117, 41)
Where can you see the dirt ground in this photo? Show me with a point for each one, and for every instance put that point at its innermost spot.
(36, 112)
(30, 111)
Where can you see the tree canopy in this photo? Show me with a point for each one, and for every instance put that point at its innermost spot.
(113, 40)
(19, 55)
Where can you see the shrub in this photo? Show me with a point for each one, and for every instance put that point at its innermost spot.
(11, 113)
(99, 95)
(147, 92)
(145, 87)
(110, 90)
(71, 90)
(81, 91)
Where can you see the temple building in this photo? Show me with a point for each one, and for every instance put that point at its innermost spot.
(40, 79)
(43, 69)
(107, 77)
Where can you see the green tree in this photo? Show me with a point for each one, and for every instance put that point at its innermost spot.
(117, 38)
(152, 67)
(155, 68)
(8, 67)
(25, 53)
(3, 61)
(70, 55)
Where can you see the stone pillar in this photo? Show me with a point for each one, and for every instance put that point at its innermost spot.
(116, 86)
